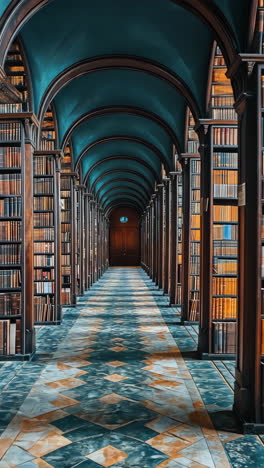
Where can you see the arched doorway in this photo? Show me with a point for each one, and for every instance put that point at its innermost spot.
(124, 237)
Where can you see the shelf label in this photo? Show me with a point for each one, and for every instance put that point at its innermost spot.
(242, 194)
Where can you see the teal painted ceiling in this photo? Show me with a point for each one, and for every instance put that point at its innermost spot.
(120, 88)
(237, 12)
(125, 164)
(121, 124)
(3, 5)
(121, 148)
(64, 32)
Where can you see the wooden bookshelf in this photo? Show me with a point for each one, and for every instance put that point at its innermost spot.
(219, 220)
(66, 226)
(191, 167)
(17, 140)
(16, 72)
(47, 232)
(179, 277)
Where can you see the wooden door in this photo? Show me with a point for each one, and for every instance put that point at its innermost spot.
(124, 238)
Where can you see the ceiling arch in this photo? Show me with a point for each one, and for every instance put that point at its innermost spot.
(121, 160)
(114, 175)
(116, 183)
(111, 111)
(121, 203)
(225, 26)
(121, 190)
(134, 201)
(123, 144)
(121, 165)
(121, 88)
(123, 193)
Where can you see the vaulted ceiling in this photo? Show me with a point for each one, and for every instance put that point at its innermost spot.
(120, 74)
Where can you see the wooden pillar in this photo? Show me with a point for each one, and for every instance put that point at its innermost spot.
(87, 197)
(73, 240)
(165, 263)
(173, 241)
(160, 231)
(81, 237)
(186, 238)
(27, 148)
(92, 204)
(155, 237)
(206, 239)
(249, 376)
(57, 226)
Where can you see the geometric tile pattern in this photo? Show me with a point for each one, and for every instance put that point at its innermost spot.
(116, 385)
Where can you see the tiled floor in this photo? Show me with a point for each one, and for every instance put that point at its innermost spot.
(117, 385)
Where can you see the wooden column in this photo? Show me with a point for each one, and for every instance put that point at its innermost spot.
(160, 231)
(73, 240)
(87, 197)
(165, 263)
(206, 239)
(28, 142)
(249, 378)
(173, 241)
(155, 236)
(57, 225)
(186, 238)
(81, 189)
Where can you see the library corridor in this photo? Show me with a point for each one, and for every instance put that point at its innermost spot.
(132, 233)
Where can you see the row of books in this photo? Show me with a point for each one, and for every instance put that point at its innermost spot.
(65, 217)
(195, 235)
(10, 108)
(196, 207)
(194, 307)
(43, 311)
(10, 303)
(195, 221)
(66, 296)
(44, 247)
(195, 166)
(193, 146)
(10, 184)
(195, 180)
(10, 230)
(194, 283)
(196, 196)
(43, 186)
(10, 279)
(65, 236)
(195, 266)
(223, 266)
(225, 213)
(221, 101)
(44, 275)
(10, 156)
(224, 286)
(66, 259)
(43, 165)
(224, 337)
(66, 203)
(224, 114)
(225, 247)
(10, 341)
(225, 136)
(17, 80)
(225, 160)
(195, 248)
(224, 308)
(47, 145)
(225, 191)
(66, 184)
(44, 287)
(10, 254)
(43, 203)
(225, 232)
(44, 260)
(66, 248)
(43, 219)
(44, 234)
(10, 131)
(11, 206)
